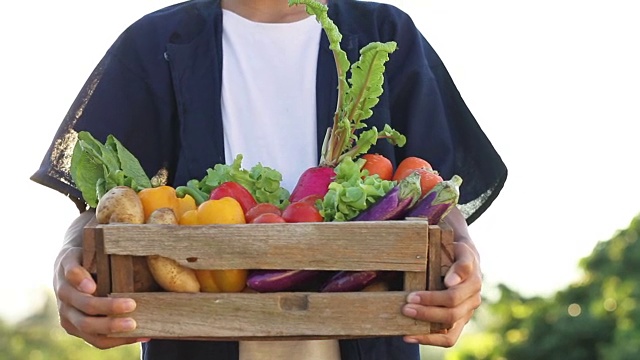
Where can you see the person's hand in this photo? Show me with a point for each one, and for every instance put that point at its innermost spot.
(452, 307)
(83, 314)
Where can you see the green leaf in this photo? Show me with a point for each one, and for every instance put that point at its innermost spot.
(86, 173)
(136, 175)
(367, 80)
(96, 167)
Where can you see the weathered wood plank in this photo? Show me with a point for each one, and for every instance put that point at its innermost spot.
(255, 316)
(103, 266)
(89, 246)
(327, 246)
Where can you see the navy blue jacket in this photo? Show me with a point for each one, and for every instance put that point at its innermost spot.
(157, 90)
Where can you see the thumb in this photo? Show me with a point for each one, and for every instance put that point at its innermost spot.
(462, 266)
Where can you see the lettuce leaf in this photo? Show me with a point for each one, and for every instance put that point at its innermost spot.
(352, 191)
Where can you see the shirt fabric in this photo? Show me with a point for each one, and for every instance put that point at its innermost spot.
(269, 108)
(158, 90)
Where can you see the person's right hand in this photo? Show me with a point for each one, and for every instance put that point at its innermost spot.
(81, 313)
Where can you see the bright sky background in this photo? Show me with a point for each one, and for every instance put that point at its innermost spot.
(554, 84)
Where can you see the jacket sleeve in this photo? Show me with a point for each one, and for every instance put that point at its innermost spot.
(426, 106)
(118, 98)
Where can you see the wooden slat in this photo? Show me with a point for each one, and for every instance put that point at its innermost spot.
(281, 315)
(103, 266)
(89, 246)
(328, 246)
(415, 281)
(122, 276)
(440, 260)
(433, 271)
(446, 248)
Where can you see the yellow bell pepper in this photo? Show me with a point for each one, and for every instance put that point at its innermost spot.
(223, 211)
(185, 204)
(154, 198)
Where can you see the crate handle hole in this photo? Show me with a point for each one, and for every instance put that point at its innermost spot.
(192, 259)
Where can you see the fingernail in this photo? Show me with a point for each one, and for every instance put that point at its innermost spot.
(453, 280)
(409, 311)
(86, 286)
(413, 299)
(127, 324)
(128, 305)
(411, 340)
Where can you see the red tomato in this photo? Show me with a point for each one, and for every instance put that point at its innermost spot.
(428, 178)
(268, 218)
(261, 208)
(311, 199)
(378, 164)
(412, 163)
(301, 212)
(236, 191)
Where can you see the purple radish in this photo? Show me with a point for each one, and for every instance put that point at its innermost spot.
(438, 202)
(395, 202)
(349, 281)
(313, 181)
(280, 280)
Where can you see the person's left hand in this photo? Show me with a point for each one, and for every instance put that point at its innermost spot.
(452, 307)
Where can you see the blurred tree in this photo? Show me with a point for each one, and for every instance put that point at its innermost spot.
(595, 319)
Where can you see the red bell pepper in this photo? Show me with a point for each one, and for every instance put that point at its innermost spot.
(236, 191)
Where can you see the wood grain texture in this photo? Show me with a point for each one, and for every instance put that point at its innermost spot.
(273, 315)
(374, 245)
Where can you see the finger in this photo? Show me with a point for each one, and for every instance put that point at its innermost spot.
(94, 305)
(446, 307)
(446, 339)
(464, 266)
(98, 341)
(94, 329)
(70, 270)
(440, 314)
(76, 290)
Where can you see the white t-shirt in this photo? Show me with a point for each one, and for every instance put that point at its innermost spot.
(269, 107)
(269, 116)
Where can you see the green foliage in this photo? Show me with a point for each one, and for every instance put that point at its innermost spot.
(594, 319)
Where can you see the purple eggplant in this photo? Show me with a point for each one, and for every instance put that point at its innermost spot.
(349, 281)
(394, 204)
(363, 281)
(438, 202)
(281, 280)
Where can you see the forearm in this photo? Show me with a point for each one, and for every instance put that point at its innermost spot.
(73, 235)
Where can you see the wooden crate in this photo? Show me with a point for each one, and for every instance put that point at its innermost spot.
(421, 252)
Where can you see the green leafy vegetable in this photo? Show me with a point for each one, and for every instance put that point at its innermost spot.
(352, 192)
(356, 95)
(263, 182)
(96, 167)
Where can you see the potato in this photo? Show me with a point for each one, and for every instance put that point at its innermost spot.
(168, 273)
(120, 204)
